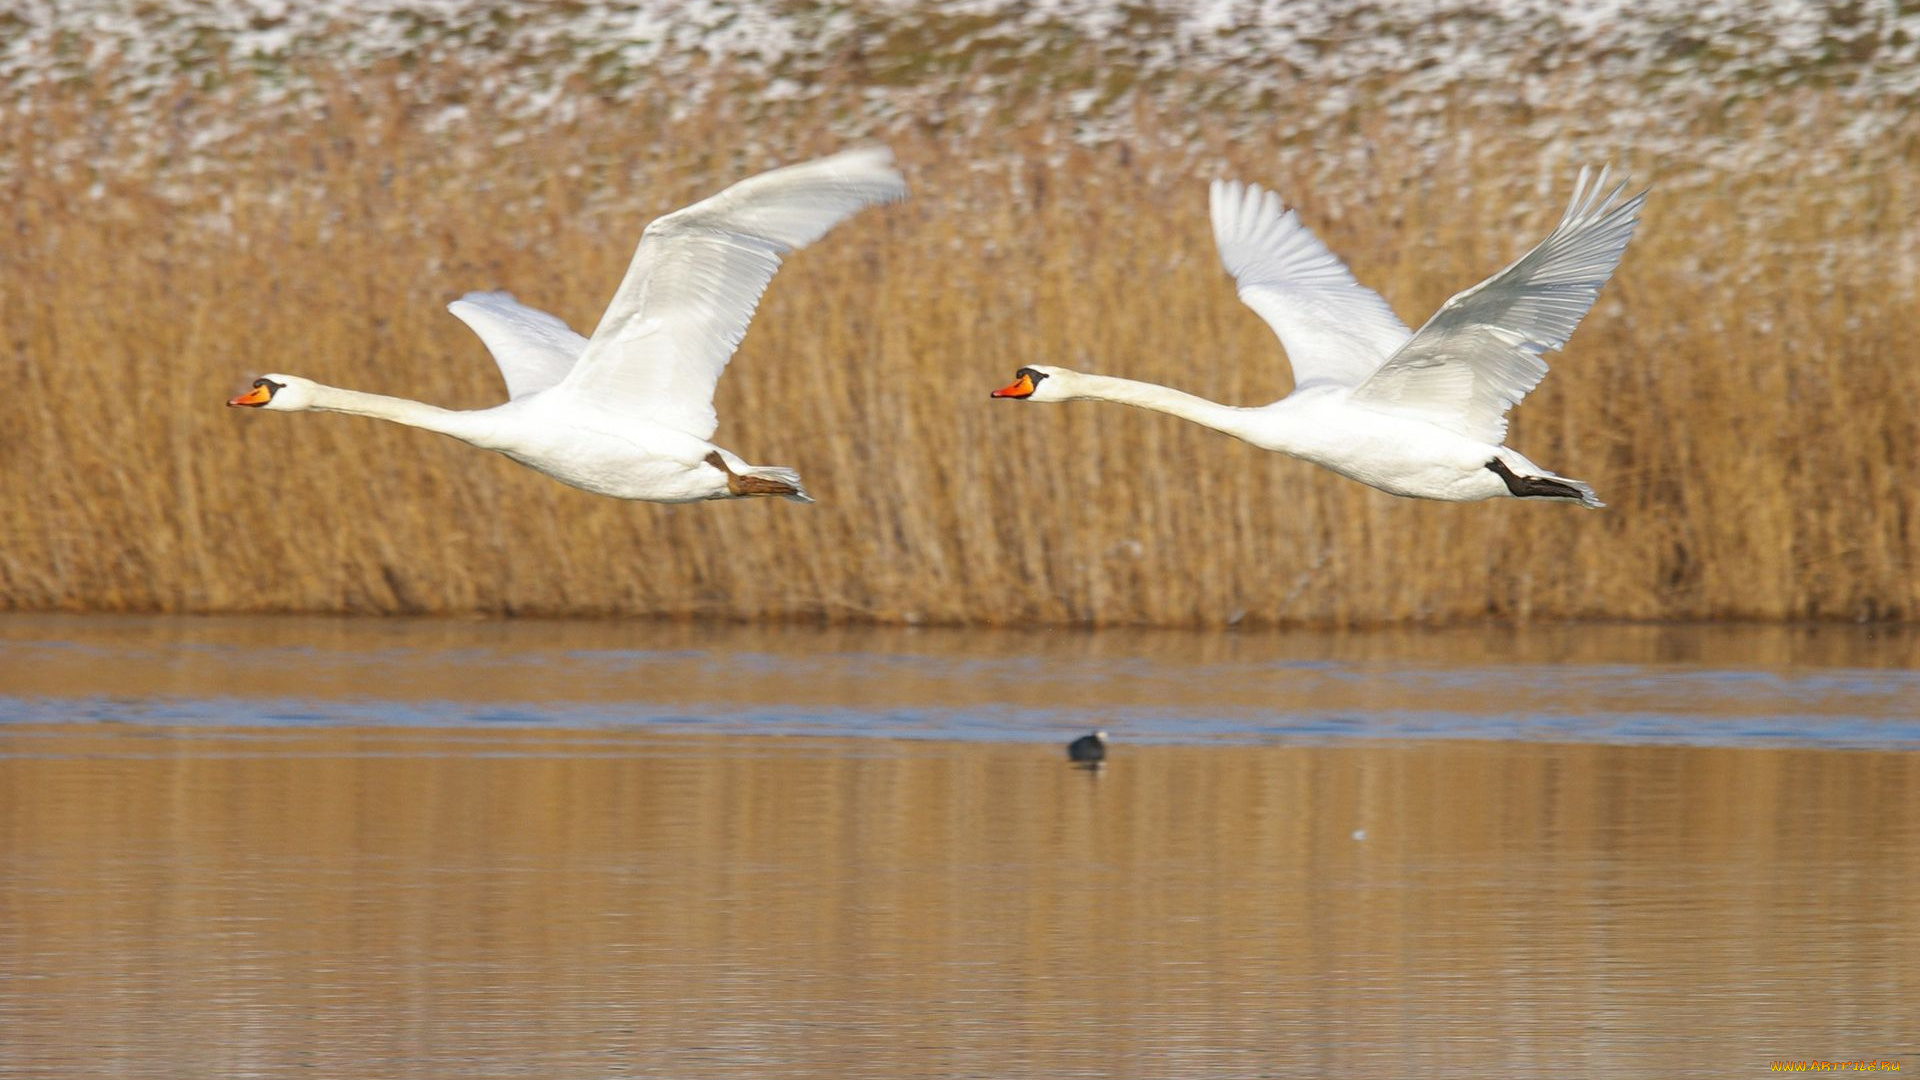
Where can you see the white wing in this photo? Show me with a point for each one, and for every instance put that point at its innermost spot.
(1333, 328)
(697, 276)
(535, 350)
(1480, 353)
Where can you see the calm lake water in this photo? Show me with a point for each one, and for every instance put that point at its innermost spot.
(336, 848)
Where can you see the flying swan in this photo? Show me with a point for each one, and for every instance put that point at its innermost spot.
(629, 412)
(1416, 414)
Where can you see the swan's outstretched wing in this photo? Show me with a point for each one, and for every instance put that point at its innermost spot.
(535, 350)
(1335, 330)
(1480, 353)
(686, 300)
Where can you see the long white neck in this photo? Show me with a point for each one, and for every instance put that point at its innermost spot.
(465, 426)
(1231, 419)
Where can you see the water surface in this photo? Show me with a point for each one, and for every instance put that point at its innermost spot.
(1741, 685)
(275, 848)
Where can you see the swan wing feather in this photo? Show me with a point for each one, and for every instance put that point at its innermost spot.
(697, 276)
(1334, 329)
(535, 350)
(1481, 352)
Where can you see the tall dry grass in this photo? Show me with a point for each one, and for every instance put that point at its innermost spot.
(1742, 396)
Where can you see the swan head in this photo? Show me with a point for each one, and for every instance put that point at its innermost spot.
(285, 393)
(1035, 383)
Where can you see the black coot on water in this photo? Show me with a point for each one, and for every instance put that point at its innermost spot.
(1088, 749)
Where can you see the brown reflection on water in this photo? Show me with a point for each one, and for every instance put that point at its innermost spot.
(580, 904)
(669, 664)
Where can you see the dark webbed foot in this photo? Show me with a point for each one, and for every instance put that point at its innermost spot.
(1534, 487)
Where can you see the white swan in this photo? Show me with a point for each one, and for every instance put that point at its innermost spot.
(628, 412)
(1421, 415)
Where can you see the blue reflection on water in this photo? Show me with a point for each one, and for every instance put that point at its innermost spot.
(1007, 723)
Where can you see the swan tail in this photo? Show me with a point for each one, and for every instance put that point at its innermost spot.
(1537, 483)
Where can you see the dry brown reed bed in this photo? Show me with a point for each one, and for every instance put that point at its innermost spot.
(1743, 395)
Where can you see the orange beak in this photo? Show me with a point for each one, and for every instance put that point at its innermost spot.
(1020, 389)
(253, 398)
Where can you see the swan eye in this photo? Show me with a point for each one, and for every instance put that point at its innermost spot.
(268, 385)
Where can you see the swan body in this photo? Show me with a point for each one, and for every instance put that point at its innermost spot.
(629, 412)
(1422, 415)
